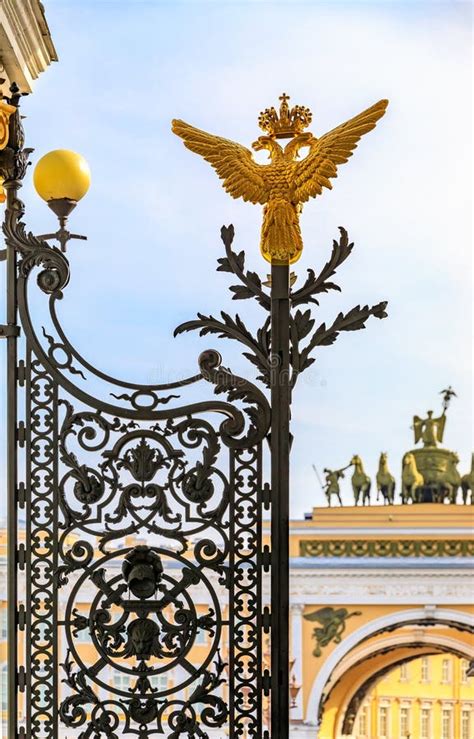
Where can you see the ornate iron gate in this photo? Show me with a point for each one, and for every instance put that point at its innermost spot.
(143, 532)
(135, 585)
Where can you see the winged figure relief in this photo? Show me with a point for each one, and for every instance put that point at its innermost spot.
(283, 185)
(333, 622)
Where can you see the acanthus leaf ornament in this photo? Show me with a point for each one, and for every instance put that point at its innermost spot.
(286, 183)
(258, 347)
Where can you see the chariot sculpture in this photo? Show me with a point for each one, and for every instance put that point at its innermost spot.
(429, 473)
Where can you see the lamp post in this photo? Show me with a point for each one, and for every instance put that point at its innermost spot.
(62, 178)
(187, 478)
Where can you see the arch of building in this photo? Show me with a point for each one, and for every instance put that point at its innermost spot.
(369, 653)
(358, 684)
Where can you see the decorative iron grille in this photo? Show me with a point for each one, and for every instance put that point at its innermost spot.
(135, 588)
(143, 554)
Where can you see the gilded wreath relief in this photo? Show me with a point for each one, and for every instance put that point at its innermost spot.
(283, 185)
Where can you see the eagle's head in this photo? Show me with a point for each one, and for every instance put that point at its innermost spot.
(269, 143)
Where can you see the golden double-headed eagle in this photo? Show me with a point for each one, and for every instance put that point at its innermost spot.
(284, 184)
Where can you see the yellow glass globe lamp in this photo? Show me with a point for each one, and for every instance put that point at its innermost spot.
(62, 174)
(62, 178)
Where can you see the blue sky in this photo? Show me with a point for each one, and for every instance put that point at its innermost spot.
(154, 210)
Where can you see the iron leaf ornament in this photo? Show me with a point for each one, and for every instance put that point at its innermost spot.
(257, 349)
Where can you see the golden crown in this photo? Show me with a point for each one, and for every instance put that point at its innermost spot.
(289, 123)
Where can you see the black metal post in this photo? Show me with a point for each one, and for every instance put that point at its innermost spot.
(11, 188)
(280, 461)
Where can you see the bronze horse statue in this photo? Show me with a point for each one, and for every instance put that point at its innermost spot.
(467, 483)
(385, 481)
(360, 481)
(412, 480)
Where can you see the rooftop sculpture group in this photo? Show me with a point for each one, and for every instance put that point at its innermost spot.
(429, 473)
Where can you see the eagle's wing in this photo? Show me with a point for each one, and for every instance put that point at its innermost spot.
(322, 616)
(243, 177)
(332, 149)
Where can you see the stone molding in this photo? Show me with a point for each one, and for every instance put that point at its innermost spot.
(386, 548)
(26, 46)
(386, 586)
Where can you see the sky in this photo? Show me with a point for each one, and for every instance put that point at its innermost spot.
(154, 210)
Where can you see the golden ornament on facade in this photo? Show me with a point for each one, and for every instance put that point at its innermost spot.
(283, 185)
(6, 111)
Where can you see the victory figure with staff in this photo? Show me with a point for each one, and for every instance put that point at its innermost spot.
(436, 467)
(431, 430)
(331, 486)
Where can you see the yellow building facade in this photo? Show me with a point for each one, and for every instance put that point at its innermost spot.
(376, 591)
(428, 697)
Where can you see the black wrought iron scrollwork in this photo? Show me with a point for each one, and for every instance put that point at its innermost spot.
(143, 554)
(153, 538)
(41, 524)
(237, 388)
(143, 622)
(35, 252)
(132, 537)
(257, 349)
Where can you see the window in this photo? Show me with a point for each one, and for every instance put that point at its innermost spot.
(4, 687)
(446, 724)
(425, 724)
(464, 669)
(465, 724)
(383, 721)
(404, 672)
(158, 682)
(3, 624)
(363, 723)
(121, 682)
(425, 669)
(446, 671)
(404, 721)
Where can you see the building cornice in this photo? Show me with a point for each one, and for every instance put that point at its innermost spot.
(316, 531)
(390, 586)
(392, 548)
(26, 46)
(382, 563)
